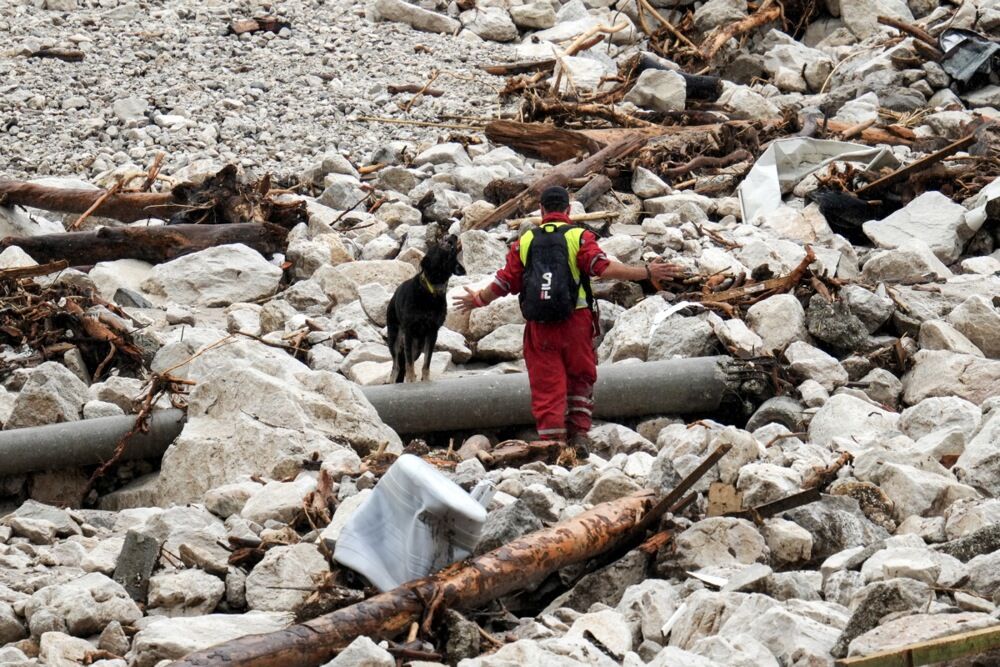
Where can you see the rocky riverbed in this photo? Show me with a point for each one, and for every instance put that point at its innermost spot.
(887, 352)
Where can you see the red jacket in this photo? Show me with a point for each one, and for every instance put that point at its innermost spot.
(591, 260)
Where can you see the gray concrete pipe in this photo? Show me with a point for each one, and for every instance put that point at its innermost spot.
(681, 386)
(673, 387)
(86, 442)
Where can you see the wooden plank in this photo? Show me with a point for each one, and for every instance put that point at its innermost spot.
(974, 642)
(919, 165)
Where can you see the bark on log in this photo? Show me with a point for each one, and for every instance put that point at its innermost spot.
(123, 206)
(593, 190)
(467, 584)
(545, 142)
(149, 244)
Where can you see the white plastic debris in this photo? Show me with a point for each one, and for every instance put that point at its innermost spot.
(415, 522)
(788, 161)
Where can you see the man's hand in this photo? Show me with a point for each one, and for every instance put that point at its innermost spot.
(465, 302)
(664, 271)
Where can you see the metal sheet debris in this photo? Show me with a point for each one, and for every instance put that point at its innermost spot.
(788, 161)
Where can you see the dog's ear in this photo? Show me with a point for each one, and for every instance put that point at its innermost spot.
(459, 269)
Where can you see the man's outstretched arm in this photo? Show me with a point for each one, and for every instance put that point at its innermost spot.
(655, 271)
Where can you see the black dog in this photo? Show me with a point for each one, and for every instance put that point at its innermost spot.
(418, 309)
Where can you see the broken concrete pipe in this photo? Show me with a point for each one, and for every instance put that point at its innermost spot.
(86, 442)
(676, 386)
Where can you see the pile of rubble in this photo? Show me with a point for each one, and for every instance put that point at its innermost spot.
(823, 172)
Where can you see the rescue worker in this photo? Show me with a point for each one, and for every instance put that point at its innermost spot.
(559, 342)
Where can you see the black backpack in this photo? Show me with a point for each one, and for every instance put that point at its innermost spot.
(549, 292)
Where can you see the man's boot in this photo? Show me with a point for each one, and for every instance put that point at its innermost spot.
(580, 442)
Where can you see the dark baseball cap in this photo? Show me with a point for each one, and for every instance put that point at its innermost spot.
(555, 198)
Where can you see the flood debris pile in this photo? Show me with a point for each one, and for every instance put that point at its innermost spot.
(825, 174)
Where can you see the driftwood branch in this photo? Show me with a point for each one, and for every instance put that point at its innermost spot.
(911, 30)
(560, 175)
(122, 206)
(767, 12)
(546, 142)
(66, 55)
(918, 166)
(150, 244)
(464, 585)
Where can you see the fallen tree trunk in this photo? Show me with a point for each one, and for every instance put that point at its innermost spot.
(121, 206)
(542, 141)
(149, 244)
(560, 175)
(464, 585)
(219, 199)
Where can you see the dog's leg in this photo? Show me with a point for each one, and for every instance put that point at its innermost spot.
(411, 349)
(429, 342)
(396, 350)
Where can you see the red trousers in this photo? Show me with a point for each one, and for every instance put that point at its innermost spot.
(562, 369)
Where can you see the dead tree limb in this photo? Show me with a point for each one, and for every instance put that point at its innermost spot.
(918, 166)
(65, 55)
(506, 69)
(515, 453)
(703, 162)
(757, 290)
(32, 271)
(871, 135)
(559, 175)
(464, 585)
(911, 30)
(150, 244)
(767, 12)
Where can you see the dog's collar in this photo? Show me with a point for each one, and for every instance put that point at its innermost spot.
(427, 284)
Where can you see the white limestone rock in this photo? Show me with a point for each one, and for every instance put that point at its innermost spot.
(932, 218)
(216, 276)
(285, 578)
(173, 638)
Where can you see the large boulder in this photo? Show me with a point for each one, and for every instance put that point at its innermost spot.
(492, 23)
(341, 282)
(911, 261)
(717, 541)
(190, 592)
(285, 578)
(52, 394)
(836, 523)
(415, 16)
(244, 422)
(659, 90)
(917, 628)
(217, 276)
(979, 464)
(942, 373)
(932, 218)
(778, 320)
(85, 605)
(846, 416)
(978, 319)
